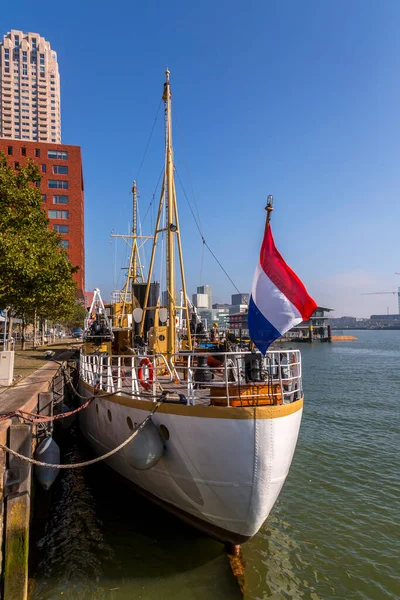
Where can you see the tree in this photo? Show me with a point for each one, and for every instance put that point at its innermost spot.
(77, 319)
(35, 273)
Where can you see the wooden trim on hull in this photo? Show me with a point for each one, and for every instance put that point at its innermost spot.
(210, 412)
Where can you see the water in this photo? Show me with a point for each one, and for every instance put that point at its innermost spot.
(333, 534)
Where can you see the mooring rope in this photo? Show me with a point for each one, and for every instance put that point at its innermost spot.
(93, 461)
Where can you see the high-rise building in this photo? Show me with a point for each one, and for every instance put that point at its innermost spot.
(29, 89)
(240, 299)
(62, 192)
(206, 289)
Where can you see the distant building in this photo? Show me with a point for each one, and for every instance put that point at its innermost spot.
(206, 289)
(201, 301)
(316, 328)
(236, 308)
(62, 192)
(30, 89)
(240, 299)
(385, 321)
(221, 315)
(88, 299)
(348, 323)
(239, 323)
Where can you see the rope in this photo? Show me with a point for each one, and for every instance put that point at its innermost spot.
(202, 236)
(38, 419)
(148, 143)
(93, 461)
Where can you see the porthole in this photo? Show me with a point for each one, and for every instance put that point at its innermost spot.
(161, 338)
(129, 422)
(109, 415)
(97, 408)
(164, 433)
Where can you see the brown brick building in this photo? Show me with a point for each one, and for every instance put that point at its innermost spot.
(62, 191)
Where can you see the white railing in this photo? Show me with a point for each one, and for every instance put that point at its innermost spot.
(225, 378)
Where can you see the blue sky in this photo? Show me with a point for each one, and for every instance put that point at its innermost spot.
(297, 99)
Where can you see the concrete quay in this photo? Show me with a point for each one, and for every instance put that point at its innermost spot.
(36, 394)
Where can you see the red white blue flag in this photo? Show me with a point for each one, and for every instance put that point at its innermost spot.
(279, 300)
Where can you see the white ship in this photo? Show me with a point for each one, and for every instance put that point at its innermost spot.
(218, 449)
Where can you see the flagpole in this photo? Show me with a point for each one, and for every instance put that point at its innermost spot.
(269, 208)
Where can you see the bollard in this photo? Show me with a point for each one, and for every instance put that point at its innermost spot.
(6, 367)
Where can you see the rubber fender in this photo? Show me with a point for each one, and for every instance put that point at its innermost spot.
(47, 451)
(146, 448)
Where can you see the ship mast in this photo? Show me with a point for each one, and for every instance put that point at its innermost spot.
(173, 237)
(135, 268)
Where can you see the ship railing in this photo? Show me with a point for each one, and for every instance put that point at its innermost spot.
(232, 378)
(226, 378)
(136, 374)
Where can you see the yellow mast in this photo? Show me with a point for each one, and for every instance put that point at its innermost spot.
(135, 268)
(168, 199)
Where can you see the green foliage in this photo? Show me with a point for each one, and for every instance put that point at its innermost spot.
(77, 319)
(35, 274)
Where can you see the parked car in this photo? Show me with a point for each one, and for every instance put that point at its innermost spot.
(77, 333)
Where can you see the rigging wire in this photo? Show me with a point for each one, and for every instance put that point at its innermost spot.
(189, 176)
(201, 264)
(149, 140)
(202, 236)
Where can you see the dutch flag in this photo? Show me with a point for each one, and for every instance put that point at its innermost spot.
(279, 300)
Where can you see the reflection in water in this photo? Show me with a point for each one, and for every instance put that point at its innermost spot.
(103, 542)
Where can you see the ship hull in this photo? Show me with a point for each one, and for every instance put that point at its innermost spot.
(222, 468)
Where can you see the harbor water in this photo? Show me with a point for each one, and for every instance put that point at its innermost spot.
(333, 534)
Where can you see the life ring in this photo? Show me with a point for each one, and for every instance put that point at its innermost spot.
(146, 383)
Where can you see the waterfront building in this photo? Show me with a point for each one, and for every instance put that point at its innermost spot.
(62, 192)
(316, 328)
(349, 323)
(239, 323)
(385, 321)
(29, 89)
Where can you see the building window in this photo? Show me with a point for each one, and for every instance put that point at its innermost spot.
(23, 151)
(43, 168)
(58, 214)
(60, 170)
(44, 197)
(61, 228)
(55, 183)
(57, 154)
(64, 244)
(60, 199)
(16, 165)
(9, 150)
(37, 152)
